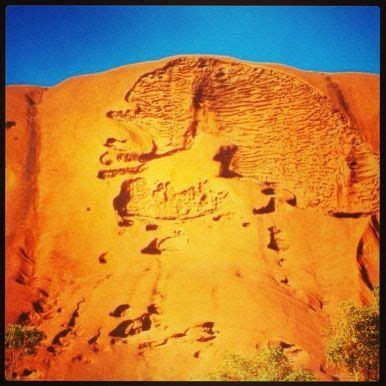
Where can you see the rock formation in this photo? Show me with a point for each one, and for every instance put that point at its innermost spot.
(164, 213)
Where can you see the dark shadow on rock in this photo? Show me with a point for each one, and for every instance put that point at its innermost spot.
(269, 208)
(152, 248)
(224, 156)
(118, 312)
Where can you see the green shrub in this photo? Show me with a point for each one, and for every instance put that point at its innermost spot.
(21, 340)
(353, 343)
(300, 376)
(270, 363)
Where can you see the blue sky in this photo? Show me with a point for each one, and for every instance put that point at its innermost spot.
(46, 44)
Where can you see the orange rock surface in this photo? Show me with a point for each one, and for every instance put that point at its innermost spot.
(164, 213)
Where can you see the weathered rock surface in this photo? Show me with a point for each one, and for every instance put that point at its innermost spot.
(260, 183)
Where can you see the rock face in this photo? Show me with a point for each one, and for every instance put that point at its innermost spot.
(216, 204)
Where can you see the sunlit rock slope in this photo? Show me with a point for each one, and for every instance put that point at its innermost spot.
(164, 213)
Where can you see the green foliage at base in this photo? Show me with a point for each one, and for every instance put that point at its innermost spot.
(270, 363)
(300, 376)
(354, 340)
(21, 340)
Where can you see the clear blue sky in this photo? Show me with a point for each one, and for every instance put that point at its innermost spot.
(46, 44)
